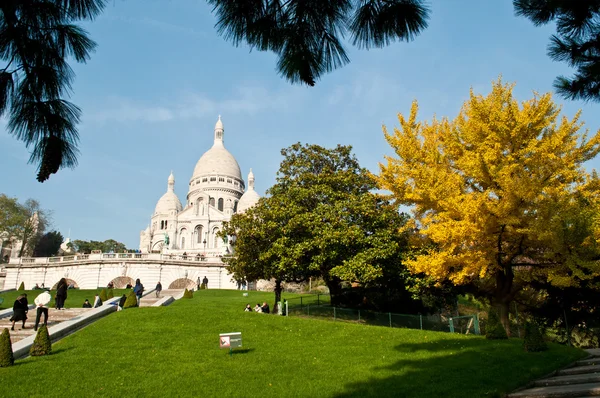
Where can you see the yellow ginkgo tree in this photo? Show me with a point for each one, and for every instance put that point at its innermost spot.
(499, 194)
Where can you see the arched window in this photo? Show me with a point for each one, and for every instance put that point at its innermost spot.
(212, 202)
(198, 234)
(200, 206)
(215, 238)
(165, 225)
(220, 204)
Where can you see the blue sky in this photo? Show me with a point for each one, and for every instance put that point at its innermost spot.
(161, 75)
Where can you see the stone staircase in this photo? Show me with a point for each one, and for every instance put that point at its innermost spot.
(54, 317)
(151, 299)
(582, 379)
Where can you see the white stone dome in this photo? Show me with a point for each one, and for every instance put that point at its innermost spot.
(169, 201)
(217, 160)
(250, 197)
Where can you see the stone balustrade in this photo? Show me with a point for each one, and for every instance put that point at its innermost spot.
(191, 258)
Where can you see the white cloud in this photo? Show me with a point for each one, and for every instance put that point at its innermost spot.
(247, 100)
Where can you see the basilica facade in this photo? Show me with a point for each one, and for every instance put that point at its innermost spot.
(216, 191)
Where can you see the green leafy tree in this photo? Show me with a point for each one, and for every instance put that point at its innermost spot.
(6, 352)
(36, 39)
(22, 222)
(533, 340)
(307, 36)
(576, 42)
(48, 245)
(21, 287)
(320, 220)
(494, 330)
(42, 344)
(84, 246)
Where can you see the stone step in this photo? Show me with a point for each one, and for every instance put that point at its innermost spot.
(577, 370)
(589, 361)
(594, 352)
(54, 317)
(569, 380)
(576, 390)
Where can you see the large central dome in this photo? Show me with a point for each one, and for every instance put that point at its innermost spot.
(217, 161)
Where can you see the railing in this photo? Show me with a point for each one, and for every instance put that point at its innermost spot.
(192, 258)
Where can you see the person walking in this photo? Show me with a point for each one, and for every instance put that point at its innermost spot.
(41, 303)
(158, 289)
(20, 309)
(205, 282)
(61, 294)
(138, 290)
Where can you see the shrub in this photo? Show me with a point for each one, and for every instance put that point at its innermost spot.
(131, 300)
(494, 330)
(203, 286)
(6, 352)
(534, 338)
(42, 344)
(110, 294)
(103, 295)
(188, 294)
(21, 287)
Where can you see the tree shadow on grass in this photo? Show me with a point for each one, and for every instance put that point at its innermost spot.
(453, 368)
(60, 350)
(242, 351)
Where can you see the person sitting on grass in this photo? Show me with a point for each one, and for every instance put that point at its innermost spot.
(87, 304)
(248, 308)
(265, 308)
(257, 308)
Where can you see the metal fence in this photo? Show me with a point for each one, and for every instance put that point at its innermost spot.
(318, 306)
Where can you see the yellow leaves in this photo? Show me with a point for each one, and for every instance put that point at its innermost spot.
(489, 181)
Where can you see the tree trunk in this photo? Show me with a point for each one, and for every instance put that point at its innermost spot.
(503, 296)
(335, 290)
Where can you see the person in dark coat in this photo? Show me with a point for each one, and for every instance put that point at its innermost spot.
(122, 302)
(61, 294)
(20, 308)
(158, 289)
(87, 304)
(138, 289)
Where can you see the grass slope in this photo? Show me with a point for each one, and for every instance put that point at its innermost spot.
(173, 351)
(75, 297)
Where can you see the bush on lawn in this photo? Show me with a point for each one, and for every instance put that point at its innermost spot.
(103, 295)
(21, 287)
(42, 344)
(131, 300)
(534, 338)
(494, 330)
(188, 294)
(6, 352)
(203, 286)
(110, 294)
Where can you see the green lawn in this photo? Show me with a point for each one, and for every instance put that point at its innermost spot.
(173, 351)
(75, 297)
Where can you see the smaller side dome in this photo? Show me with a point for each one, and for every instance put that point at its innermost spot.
(169, 201)
(250, 197)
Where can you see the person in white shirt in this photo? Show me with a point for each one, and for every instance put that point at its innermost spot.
(41, 303)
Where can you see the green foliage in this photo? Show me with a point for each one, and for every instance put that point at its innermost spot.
(202, 286)
(307, 36)
(103, 295)
(38, 38)
(21, 287)
(576, 42)
(131, 300)
(533, 340)
(319, 220)
(6, 352)
(110, 294)
(109, 245)
(25, 221)
(188, 294)
(48, 245)
(493, 328)
(42, 344)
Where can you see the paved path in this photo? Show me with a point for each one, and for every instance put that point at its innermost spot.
(150, 299)
(54, 317)
(582, 379)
